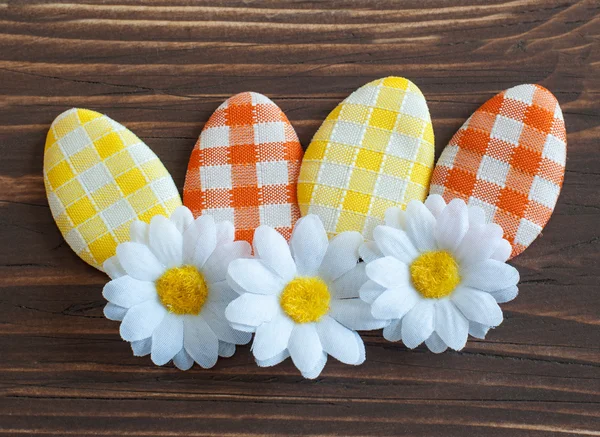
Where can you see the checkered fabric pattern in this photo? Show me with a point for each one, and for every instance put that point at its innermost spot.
(244, 167)
(509, 158)
(99, 177)
(375, 150)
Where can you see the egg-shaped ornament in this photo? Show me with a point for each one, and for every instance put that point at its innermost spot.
(374, 151)
(244, 167)
(99, 177)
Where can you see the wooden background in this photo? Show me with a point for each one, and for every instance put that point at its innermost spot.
(161, 67)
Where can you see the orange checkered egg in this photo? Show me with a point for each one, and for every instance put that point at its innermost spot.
(244, 167)
(99, 177)
(374, 151)
(508, 158)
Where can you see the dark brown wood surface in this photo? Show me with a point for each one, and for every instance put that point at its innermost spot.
(161, 67)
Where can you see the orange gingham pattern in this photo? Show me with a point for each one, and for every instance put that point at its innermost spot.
(508, 158)
(244, 167)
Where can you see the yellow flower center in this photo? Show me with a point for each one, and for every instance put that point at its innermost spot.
(182, 290)
(305, 300)
(435, 274)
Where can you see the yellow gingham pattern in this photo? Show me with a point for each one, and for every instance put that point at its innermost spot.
(375, 150)
(99, 177)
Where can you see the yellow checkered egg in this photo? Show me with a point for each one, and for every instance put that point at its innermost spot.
(99, 177)
(375, 150)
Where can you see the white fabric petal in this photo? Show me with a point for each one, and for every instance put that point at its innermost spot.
(200, 341)
(114, 312)
(369, 251)
(396, 243)
(477, 306)
(252, 309)
(254, 276)
(479, 244)
(139, 262)
(305, 347)
(243, 328)
(478, 330)
(272, 338)
(215, 268)
(167, 339)
(182, 218)
(503, 251)
(388, 272)
(348, 285)
(340, 342)
(226, 350)
(207, 240)
(141, 348)
(273, 250)
(221, 292)
(370, 291)
(183, 361)
(274, 360)
(394, 303)
(113, 267)
(417, 324)
(420, 226)
(141, 320)
(341, 255)
(393, 331)
(190, 240)
(214, 315)
(127, 291)
(225, 232)
(452, 225)
(476, 216)
(435, 344)
(490, 275)
(138, 232)
(395, 217)
(355, 314)
(316, 371)
(451, 325)
(435, 204)
(506, 294)
(308, 245)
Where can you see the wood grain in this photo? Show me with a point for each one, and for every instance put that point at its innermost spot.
(161, 67)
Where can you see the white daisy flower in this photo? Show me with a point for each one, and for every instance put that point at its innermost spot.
(302, 300)
(169, 289)
(437, 272)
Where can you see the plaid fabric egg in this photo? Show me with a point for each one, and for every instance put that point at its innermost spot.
(508, 158)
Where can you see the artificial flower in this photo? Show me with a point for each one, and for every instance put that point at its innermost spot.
(437, 273)
(301, 299)
(169, 289)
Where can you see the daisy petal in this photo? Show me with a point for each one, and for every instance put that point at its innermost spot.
(340, 342)
(127, 291)
(272, 338)
(503, 251)
(225, 232)
(308, 245)
(114, 312)
(182, 218)
(214, 315)
(167, 339)
(200, 342)
(477, 306)
(273, 250)
(141, 320)
(395, 217)
(420, 224)
(452, 225)
(478, 330)
(355, 314)
(138, 232)
(316, 371)
(506, 294)
(417, 324)
(451, 325)
(479, 244)
(113, 268)
(341, 255)
(252, 309)
(139, 262)
(141, 348)
(305, 347)
(274, 360)
(394, 303)
(396, 243)
(490, 275)
(435, 344)
(207, 240)
(435, 204)
(221, 292)
(215, 268)
(370, 291)
(226, 350)
(183, 361)
(254, 276)
(165, 241)
(369, 251)
(388, 272)
(393, 331)
(476, 216)
(348, 285)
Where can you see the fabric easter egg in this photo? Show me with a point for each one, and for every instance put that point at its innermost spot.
(508, 158)
(244, 167)
(375, 150)
(99, 177)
